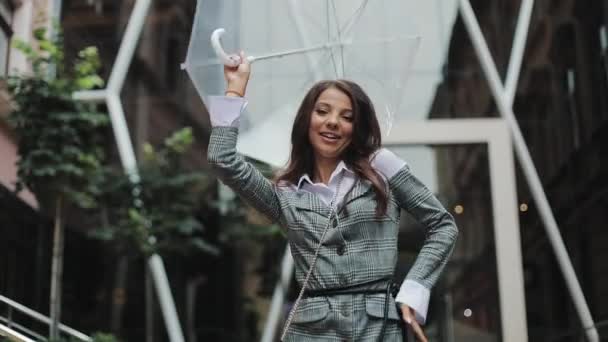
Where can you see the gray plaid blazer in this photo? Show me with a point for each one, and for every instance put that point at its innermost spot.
(358, 249)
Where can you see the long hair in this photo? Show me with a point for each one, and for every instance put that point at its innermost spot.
(366, 139)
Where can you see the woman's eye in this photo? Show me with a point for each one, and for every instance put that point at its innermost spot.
(348, 117)
(321, 111)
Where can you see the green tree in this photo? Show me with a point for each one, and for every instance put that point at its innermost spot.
(60, 141)
(158, 214)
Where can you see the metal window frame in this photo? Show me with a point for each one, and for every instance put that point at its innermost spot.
(509, 266)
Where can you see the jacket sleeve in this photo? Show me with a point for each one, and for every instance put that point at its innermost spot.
(440, 234)
(234, 171)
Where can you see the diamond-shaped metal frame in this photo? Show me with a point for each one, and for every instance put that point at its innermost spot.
(111, 96)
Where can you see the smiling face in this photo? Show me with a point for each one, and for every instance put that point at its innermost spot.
(331, 124)
(336, 121)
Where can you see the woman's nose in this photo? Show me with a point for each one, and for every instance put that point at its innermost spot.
(332, 121)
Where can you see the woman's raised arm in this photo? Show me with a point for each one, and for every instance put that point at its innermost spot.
(231, 167)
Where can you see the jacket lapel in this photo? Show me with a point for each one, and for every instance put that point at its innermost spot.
(310, 202)
(360, 189)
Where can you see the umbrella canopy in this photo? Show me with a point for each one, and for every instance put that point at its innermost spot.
(294, 44)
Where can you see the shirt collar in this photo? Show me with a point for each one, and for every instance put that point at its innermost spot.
(341, 167)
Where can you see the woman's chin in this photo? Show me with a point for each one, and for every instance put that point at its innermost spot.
(329, 154)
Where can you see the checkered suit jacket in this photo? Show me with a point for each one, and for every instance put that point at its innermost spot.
(359, 248)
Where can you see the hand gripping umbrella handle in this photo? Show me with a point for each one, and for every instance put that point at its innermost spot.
(226, 59)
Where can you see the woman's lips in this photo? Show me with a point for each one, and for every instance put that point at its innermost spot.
(332, 137)
(329, 138)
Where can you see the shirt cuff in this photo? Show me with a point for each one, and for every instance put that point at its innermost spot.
(225, 110)
(387, 163)
(416, 297)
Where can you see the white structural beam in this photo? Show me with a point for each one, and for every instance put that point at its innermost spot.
(111, 96)
(504, 103)
(509, 266)
(278, 297)
(517, 49)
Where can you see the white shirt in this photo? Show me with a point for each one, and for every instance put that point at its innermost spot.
(327, 192)
(226, 111)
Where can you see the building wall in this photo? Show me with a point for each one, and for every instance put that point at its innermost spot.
(8, 167)
(24, 246)
(562, 110)
(26, 16)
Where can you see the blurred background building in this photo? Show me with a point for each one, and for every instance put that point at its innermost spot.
(562, 110)
(561, 106)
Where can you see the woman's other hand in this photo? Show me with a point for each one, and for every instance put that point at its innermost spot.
(237, 77)
(411, 323)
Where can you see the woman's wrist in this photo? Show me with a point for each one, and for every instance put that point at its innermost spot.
(236, 88)
(234, 93)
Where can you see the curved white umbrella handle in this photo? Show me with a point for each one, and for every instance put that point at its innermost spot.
(228, 60)
(234, 59)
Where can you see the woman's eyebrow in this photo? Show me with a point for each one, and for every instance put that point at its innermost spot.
(327, 105)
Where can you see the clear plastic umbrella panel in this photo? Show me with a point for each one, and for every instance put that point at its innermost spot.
(293, 44)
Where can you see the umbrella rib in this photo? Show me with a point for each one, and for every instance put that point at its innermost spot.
(331, 53)
(337, 22)
(356, 14)
(292, 52)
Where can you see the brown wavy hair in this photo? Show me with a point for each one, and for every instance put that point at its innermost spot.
(366, 139)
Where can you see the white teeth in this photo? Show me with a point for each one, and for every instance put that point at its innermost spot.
(330, 135)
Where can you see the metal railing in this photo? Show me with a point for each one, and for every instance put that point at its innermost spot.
(13, 335)
(11, 326)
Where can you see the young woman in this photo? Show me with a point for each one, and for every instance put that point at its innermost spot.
(339, 201)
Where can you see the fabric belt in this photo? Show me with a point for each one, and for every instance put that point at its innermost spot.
(375, 286)
(384, 285)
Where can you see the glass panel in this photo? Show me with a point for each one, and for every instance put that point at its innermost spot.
(464, 304)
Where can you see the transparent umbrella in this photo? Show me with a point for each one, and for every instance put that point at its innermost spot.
(294, 43)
